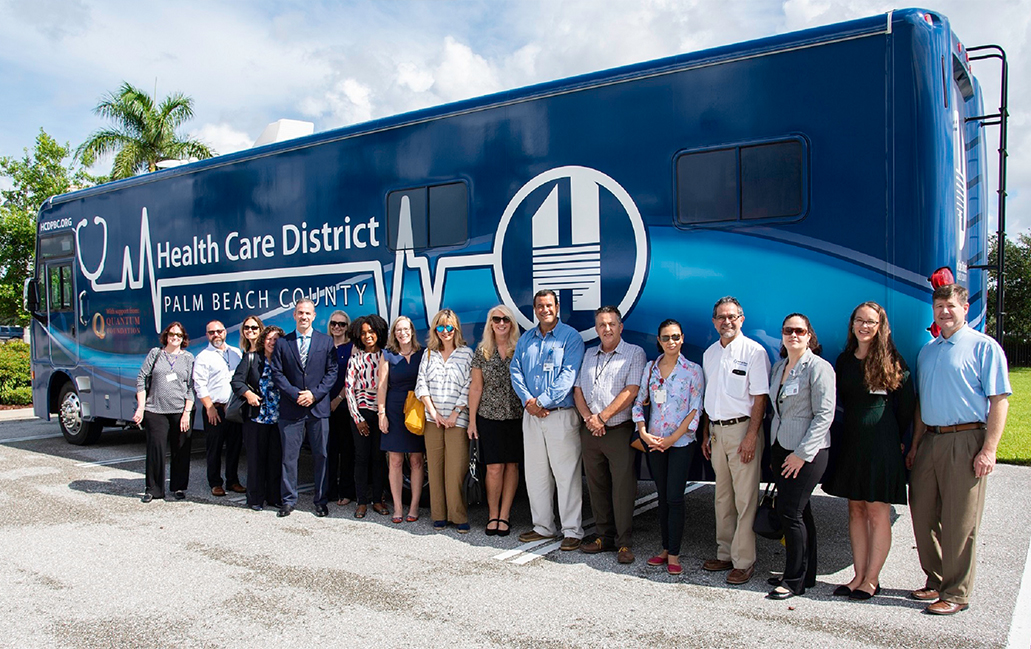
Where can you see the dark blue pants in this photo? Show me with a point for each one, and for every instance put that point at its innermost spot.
(669, 470)
(292, 434)
(264, 462)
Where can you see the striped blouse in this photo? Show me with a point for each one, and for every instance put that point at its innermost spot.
(446, 383)
(361, 382)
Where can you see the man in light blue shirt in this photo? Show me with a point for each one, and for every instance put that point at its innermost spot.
(963, 385)
(544, 370)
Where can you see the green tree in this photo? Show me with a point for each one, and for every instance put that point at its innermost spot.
(1017, 294)
(40, 174)
(143, 134)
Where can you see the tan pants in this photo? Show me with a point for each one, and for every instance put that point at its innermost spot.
(946, 500)
(737, 494)
(447, 462)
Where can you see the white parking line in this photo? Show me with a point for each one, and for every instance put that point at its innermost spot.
(117, 460)
(528, 552)
(1020, 627)
(30, 438)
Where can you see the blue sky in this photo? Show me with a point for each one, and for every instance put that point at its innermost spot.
(336, 63)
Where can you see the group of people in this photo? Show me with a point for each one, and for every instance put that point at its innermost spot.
(542, 400)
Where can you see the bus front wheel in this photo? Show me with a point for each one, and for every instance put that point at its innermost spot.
(69, 414)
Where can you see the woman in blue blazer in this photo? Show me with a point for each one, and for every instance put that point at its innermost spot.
(802, 394)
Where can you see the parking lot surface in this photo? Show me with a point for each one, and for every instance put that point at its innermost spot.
(86, 564)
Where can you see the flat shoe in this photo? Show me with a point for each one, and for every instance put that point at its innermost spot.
(780, 593)
(491, 532)
(842, 591)
(924, 594)
(439, 525)
(257, 508)
(360, 511)
(397, 520)
(463, 528)
(657, 561)
(179, 495)
(146, 498)
(507, 530)
(380, 509)
(775, 581)
(674, 568)
(411, 518)
(941, 607)
(862, 595)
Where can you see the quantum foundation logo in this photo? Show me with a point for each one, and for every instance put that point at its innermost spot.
(587, 242)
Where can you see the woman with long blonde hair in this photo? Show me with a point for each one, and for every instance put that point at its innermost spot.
(496, 416)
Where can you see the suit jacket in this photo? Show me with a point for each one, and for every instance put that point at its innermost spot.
(291, 378)
(803, 405)
(247, 377)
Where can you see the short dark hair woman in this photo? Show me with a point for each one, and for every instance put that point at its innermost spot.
(164, 394)
(369, 334)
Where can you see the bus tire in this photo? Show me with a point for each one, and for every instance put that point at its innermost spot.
(69, 415)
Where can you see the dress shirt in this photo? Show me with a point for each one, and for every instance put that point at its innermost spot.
(545, 366)
(213, 370)
(684, 387)
(734, 376)
(803, 405)
(446, 383)
(604, 375)
(956, 375)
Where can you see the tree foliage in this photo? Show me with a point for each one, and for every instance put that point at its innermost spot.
(143, 134)
(38, 175)
(1017, 294)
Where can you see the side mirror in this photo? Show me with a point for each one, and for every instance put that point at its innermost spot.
(30, 295)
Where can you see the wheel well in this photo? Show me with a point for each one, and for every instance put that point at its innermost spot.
(57, 382)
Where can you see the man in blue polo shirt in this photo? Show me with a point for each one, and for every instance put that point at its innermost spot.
(544, 369)
(963, 383)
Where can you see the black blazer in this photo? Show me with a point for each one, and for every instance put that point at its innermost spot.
(248, 377)
(319, 375)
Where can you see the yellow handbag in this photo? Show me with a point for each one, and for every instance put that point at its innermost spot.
(415, 414)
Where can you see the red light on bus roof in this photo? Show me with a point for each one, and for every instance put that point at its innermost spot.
(928, 19)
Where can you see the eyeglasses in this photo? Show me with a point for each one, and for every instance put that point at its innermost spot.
(448, 328)
(249, 328)
(728, 318)
(216, 332)
(798, 331)
(668, 337)
(498, 319)
(865, 323)
(174, 335)
(337, 323)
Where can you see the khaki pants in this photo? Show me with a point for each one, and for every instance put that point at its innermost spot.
(946, 500)
(609, 465)
(447, 462)
(551, 458)
(737, 494)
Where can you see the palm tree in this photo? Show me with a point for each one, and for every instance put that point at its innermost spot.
(143, 135)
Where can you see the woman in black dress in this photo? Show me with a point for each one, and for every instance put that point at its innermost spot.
(876, 393)
(398, 371)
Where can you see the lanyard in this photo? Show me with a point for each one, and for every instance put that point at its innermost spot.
(170, 360)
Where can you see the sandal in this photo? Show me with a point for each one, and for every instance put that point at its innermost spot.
(343, 501)
(360, 511)
(411, 518)
(380, 509)
(507, 530)
(397, 520)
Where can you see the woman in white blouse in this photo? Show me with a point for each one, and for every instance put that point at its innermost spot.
(443, 385)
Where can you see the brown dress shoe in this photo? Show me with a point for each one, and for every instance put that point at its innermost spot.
(569, 544)
(236, 487)
(924, 594)
(218, 491)
(595, 546)
(533, 536)
(941, 607)
(737, 576)
(717, 565)
(625, 555)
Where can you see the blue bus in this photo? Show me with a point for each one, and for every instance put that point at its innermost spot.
(802, 172)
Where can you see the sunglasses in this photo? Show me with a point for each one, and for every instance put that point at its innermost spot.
(668, 337)
(174, 335)
(448, 328)
(337, 323)
(798, 331)
(498, 319)
(250, 328)
(216, 332)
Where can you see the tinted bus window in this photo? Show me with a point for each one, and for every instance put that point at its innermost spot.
(707, 186)
(439, 216)
(56, 246)
(771, 180)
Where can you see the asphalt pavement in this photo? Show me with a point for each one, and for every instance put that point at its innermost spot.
(86, 564)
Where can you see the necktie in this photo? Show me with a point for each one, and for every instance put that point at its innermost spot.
(305, 341)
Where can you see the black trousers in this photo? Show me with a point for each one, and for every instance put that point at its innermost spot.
(164, 436)
(796, 517)
(340, 450)
(264, 449)
(227, 435)
(669, 470)
(370, 466)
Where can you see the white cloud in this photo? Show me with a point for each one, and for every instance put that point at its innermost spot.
(223, 138)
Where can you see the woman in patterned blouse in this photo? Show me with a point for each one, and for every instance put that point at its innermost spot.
(675, 387)
(369, 334)
(496, 416)
(443, 385)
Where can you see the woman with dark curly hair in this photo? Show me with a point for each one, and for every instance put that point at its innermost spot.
(369, 334)
(876, 393)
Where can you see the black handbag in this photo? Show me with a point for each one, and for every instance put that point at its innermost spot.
(767, 520)
(473, 485)
(234, 409)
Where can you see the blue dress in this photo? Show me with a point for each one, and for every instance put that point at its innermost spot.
(400, 381)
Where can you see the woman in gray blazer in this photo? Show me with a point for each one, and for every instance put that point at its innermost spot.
(802, 394)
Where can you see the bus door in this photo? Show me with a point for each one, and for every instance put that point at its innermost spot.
(61, 321)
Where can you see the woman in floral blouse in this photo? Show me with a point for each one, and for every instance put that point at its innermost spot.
(496, 416)
(443, 385)
(675, 387)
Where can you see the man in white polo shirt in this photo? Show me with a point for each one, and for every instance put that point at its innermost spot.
(737, 382)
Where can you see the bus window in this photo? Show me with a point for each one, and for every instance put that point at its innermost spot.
(439, 216)
(56, 246)
(60, 281)
(771, 180)
(707, 187)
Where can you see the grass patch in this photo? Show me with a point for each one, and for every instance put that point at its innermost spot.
(1015, 447)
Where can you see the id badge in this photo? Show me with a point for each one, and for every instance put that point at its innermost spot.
(171, 377)
(659, 396)
(549, 367)
(883, 393)
(790, 389)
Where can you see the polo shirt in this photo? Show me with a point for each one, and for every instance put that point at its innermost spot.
(734, 376)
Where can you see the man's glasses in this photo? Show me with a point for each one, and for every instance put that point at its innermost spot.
(668, 337)
(448, 328)
(728, 318)
(498, 319)
(798, 331)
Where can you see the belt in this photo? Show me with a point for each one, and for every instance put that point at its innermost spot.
(958, 428)
(729, 422)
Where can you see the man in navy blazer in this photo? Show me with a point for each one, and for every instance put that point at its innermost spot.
(304, 368)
